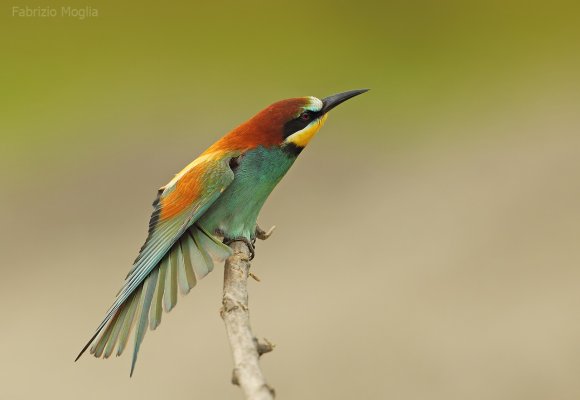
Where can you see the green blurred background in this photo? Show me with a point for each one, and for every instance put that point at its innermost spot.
(427, 242)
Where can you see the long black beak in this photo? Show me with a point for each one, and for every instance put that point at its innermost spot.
(328, 103)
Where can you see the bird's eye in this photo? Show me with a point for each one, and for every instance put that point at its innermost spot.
(305, 116)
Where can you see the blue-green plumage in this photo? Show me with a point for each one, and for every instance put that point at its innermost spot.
(217, 196)
(235, 212)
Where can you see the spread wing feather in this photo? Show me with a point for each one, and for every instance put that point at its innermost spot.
(177, 253)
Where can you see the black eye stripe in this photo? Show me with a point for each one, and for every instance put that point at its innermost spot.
(299, 123)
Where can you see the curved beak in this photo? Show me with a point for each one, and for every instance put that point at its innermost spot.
(328, 103)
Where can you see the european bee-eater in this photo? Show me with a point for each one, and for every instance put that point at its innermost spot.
(213, 201)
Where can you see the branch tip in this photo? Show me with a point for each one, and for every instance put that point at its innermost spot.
(264, 346)
(262, 234)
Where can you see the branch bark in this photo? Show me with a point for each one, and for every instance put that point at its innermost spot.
(246, 349)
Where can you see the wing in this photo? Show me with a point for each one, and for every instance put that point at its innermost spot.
(177, 252)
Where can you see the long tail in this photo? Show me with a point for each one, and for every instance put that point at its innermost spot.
(188, 260)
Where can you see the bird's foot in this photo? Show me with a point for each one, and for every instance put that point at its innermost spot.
(259, 234)
(248, 243)
(262, 234)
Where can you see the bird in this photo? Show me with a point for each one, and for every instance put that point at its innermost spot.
(212, 202)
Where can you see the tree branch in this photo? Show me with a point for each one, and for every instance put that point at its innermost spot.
(246, 349)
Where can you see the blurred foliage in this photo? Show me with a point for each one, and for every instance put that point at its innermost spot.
(144, 70)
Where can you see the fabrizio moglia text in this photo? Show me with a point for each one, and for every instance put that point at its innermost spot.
(52, 12)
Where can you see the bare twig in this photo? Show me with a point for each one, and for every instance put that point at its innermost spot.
(246, 349)
(262, 234)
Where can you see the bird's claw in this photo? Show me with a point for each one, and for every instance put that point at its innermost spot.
(248, 243)
(259, 234)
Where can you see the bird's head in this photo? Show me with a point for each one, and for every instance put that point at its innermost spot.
(289, 123)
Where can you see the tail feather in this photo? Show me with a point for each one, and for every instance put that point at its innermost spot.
(193, 254)
(99, 346)
(170, 285)
(188, 261)
(148, 290)
(128, 322)
(207, 260)
(185, 273)
(214, 247)
(115, 334)
(157, 307)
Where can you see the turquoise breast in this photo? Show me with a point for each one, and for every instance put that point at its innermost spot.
(257, 172)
